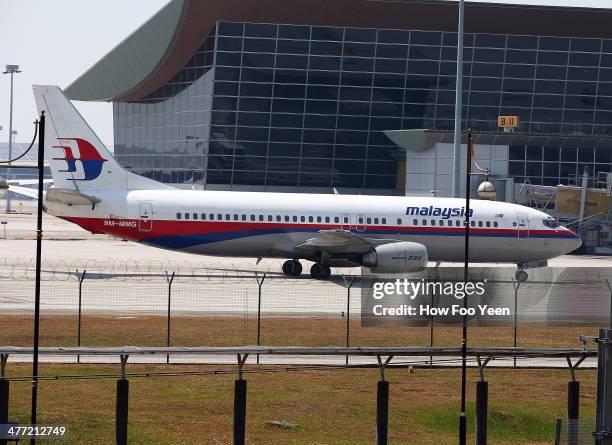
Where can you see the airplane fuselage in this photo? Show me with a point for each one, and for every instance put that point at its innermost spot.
(252, 224)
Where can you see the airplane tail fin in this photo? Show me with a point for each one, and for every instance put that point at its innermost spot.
(77, 158)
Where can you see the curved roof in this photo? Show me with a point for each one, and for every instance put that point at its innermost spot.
(134, 59)
(156, 51)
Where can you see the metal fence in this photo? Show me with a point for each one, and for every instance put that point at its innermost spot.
(574, 432)
(150, 304)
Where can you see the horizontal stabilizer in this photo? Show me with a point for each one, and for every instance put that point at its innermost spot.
(25, 191)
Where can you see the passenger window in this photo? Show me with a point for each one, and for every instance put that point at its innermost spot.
(278, 218)
(195, 216)
(399, 221)
(415, 222)
(286, 218)
(178, 216)
(235, 217)
(220, 217)
(473, 223)
(253, 217)
(495, 224)
(261, 218)
(295, 219)
(337, 220)
(244, 217)
(424, 222)
(327, 220)
(433, 222)
(346, 220)
(449, 222)
(360, 220)
(227, 217)
(318, 219)
(269, 217)
(441, 222)
(369, 220)
(186, 215)
(479, 223)
(488, 223)
(211, 217)
(303, 218)
(384, 220)
(457, 223)
(375, 220)
(203, 216)
(310, 219)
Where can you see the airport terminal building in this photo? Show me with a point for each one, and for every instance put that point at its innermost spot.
(295, 96)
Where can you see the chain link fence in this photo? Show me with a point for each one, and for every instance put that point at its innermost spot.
(152, 304)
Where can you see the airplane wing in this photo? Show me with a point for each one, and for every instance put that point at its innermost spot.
(341, 241)
(25, 191)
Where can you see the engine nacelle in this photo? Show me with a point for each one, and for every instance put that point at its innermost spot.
(397, 257)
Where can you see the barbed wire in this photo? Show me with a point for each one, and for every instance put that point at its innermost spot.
(223, 271)
(141, 270)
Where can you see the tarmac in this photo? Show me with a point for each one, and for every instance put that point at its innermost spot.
(67, 247)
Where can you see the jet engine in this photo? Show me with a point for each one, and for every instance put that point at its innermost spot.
(396, 257)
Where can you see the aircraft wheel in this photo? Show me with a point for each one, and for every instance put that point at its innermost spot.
(320, 272)
(326, 272)
(521, 276)
(292, 268)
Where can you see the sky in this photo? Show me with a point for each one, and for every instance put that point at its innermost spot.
(55, 41)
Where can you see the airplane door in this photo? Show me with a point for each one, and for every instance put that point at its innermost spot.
(345, 221)
(145, 222)
(522, 225)
(360, 224)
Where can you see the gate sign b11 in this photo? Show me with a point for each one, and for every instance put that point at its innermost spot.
(507, 121)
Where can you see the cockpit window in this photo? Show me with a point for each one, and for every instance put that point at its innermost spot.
(550, 222)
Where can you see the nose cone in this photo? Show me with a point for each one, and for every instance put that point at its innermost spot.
(572, 241)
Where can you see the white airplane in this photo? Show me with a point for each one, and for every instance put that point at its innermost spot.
(387, 234)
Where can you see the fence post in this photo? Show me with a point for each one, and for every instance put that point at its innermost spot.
(81, 279)
(259, 284)
(382, 404)
(515, 334)
(610, 289)
(573, 402)
(603, 429)
(121, 412)
(4, 394)
(558, 427)
(431, 330)
(240, 393)
(482, 405)
(169, 279)
(348, 284)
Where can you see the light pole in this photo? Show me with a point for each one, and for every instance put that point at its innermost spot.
(10, 69)
(486, 190)
(458, 106)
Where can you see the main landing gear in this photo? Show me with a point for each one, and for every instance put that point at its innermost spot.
(320, 271)
(292, 268)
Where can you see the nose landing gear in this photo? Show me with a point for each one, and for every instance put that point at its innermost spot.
(320, 271)
(292, 268)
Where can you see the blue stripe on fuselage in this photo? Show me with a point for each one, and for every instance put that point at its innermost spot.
(184, 241)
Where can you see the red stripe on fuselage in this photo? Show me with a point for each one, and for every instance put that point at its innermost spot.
(129, 228)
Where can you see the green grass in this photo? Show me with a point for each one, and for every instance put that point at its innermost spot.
(330, 407)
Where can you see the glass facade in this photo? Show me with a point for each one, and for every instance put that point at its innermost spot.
(553, 161)
(306, 106)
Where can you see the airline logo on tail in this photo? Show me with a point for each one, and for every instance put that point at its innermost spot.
(89, 158)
